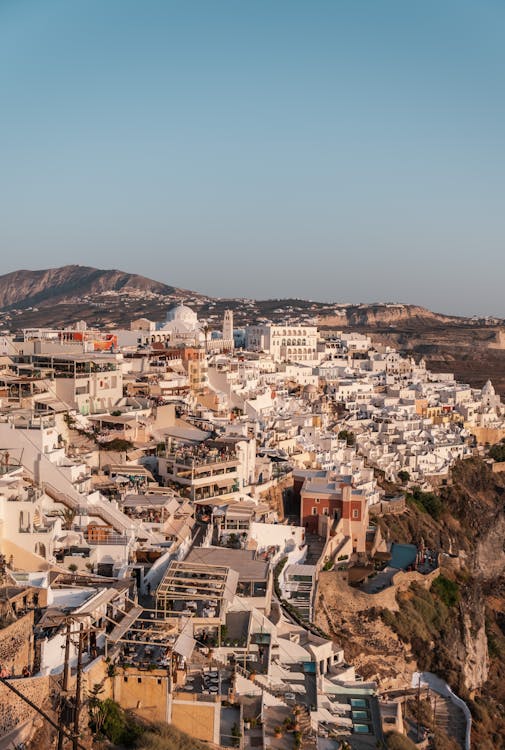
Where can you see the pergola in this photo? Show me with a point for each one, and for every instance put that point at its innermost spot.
(195, 582)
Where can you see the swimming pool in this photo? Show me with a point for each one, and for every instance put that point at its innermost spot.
(403, 555)
(358, 703)
(361, 728)
(360, 715)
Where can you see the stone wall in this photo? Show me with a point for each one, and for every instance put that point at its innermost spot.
(396, 505)
(386, 598)
(16, 644)
(13, 710)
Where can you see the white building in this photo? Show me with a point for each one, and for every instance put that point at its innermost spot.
(183, 326)
(295, 343)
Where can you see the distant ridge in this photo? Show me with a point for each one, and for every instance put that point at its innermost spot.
(27, 288)
(59, 296)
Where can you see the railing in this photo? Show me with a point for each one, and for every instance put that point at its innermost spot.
(196, 461)
(8, 468)
(111, 516)
(60, 497)
(110, 539)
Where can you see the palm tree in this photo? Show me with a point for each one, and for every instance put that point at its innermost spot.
(67, 516)
(206, 329)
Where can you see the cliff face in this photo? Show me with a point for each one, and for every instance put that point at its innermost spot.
(456, 627)
(489, 556)
(382, 314)
(473, 654)
(24, 288)
(460, 653)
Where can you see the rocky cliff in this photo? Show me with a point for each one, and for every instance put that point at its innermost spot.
(456, 626)
(382, 314)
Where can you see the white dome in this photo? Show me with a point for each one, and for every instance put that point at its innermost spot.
(488, 389)
(182, 314)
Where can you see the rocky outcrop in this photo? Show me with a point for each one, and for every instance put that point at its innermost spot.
(489, 556)
(463, 655)
(475, 659)
(382, 314)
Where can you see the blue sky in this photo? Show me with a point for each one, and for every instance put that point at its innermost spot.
(346, 150)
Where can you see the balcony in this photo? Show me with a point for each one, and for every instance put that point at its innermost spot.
(197, 458)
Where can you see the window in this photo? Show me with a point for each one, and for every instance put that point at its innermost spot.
(314, 511)
(355, 513)
(325, 511)
(317, 500)
(139, 679)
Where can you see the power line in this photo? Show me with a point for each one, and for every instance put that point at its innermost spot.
(68, 735)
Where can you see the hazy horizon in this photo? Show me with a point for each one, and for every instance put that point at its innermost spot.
(203, 292)
(332, 150)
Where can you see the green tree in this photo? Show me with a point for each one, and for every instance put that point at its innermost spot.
(348, 436)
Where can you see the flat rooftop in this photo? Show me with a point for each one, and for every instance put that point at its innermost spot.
(240, 560)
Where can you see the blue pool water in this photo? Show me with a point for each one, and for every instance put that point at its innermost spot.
(359, 715)
(361, 728)
(403, 555)
(358, 703)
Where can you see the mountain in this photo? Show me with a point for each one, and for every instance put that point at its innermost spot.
(473, 349)
(21, 289)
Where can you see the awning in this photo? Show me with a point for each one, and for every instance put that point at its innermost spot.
(125, 624)
(185, 644)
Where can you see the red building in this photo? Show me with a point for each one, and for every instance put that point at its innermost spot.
(326, 500)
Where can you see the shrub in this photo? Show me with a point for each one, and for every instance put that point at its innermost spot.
(497, 452)
(166, 737)
(397, 741)
(446, 590)
(117, 726)
(277, 571)
(427, 502)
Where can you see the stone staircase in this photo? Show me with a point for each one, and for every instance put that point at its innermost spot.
(248, 675)
(450, 718)
(315, 546)
(99, 508)
(309, 739)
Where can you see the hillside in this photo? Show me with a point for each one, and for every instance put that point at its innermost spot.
(21, 289)
(456, 628)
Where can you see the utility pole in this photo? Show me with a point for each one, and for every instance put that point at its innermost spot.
(65, 708)
(8, 684)
(64, 688)
(418, 706)
(77, 704)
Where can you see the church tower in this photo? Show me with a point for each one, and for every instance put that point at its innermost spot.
(228, 330)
